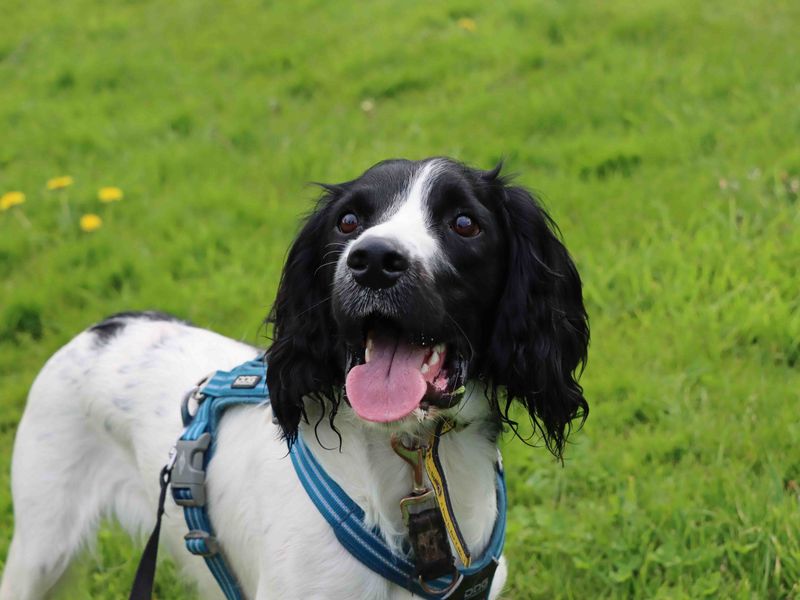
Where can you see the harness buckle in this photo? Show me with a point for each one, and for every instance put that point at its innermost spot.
(208, 540)
(188, 473)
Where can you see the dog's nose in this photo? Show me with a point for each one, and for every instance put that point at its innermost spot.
(376, 263)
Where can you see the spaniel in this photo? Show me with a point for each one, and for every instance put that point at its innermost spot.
(419, 292)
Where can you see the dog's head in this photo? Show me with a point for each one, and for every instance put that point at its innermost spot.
(417, 278)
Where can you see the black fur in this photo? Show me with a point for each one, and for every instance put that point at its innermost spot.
(541, 334)
(511, 304)
(306, 356)
(112, 325)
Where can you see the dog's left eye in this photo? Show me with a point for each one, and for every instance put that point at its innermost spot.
(466, 226)
(348, 223)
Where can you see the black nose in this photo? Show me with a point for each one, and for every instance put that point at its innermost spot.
(376, 263)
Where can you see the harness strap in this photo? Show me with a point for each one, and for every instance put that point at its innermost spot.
(346, 519)
(201, 540)
(244, 385)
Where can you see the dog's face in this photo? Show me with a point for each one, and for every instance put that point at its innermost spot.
(419, 271)
(416, 277)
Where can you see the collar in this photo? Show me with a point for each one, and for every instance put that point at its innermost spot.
(367, 544)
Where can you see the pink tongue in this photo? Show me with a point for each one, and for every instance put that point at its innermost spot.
(390, 385)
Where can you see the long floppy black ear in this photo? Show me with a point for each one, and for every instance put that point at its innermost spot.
(541, 333)
(304, 358)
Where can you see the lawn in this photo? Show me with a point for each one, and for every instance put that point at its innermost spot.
(662, 136)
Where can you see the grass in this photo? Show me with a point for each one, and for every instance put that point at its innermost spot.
(662, 136)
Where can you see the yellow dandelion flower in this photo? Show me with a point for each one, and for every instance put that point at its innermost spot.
(90, 222)
(467, 24)
(10, 199)
(109, 194)
(58, 183)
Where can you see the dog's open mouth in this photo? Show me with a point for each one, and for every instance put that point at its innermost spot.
(394, 376)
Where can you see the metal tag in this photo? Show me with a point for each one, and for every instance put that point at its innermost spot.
(428, 537)
(245, 382)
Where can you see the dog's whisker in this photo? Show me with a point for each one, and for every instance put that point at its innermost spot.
(324, 256)
(464, 333)
(323, 265)
(313, 306)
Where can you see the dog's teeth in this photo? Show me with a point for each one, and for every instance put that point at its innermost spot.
(434, 358)
(439, 348)
(370, 343)
(368, 352)
(425, 368)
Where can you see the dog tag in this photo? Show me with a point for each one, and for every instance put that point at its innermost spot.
(432, 555)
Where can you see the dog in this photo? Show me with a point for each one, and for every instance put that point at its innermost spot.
(412, 281)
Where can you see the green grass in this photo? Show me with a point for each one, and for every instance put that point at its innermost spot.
(663, 137)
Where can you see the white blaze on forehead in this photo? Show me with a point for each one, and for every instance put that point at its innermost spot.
(407, 221)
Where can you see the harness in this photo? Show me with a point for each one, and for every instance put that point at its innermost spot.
(431, 574)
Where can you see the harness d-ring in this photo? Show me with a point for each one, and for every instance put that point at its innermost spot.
(457, 577)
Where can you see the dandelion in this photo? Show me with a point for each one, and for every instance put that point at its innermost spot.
(10, 199)
(59, 183)
(467, 24)
(368, 105)
(109, 194)
(90, 222)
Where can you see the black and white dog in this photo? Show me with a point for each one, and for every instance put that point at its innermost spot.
(406, 283)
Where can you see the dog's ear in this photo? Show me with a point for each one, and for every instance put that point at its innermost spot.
(304, 358)
(541, 333)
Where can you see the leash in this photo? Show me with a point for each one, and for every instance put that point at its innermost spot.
(433, 467)
(431, 574)
(142, 588)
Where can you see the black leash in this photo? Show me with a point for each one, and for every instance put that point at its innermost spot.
(146, 571)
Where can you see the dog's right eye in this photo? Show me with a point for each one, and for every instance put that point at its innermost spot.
(466, 226)
(348, 223)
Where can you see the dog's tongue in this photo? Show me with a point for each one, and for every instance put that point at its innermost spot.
(390, 385)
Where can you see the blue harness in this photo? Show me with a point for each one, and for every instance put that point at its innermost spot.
(246, 384)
